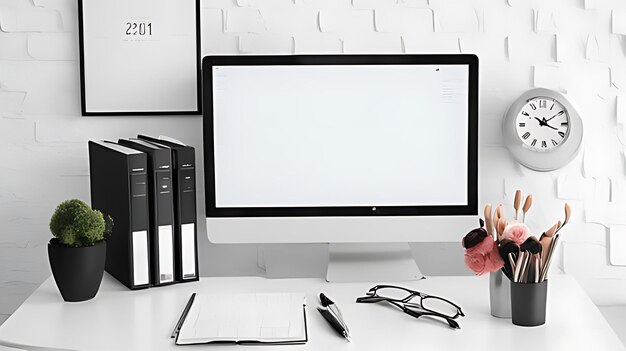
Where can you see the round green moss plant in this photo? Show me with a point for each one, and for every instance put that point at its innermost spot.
(74, 223)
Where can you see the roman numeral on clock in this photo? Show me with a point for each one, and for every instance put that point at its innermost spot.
(533, 106)
(543, 103)
(534, 142)
(522, 124)
(554, 142)
(526, 135)
(562, 134)
(543, 143)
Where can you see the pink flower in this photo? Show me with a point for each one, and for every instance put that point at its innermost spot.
(483, 257)
(518, 232)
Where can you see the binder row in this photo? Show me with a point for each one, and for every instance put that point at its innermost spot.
(147, 185)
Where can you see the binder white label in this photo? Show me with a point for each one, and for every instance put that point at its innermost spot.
(166, 254)
(141, 266)
(188, 250)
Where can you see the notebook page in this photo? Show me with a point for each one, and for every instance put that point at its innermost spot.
(266, 317)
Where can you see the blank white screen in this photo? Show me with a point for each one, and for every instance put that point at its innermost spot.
(326, 135)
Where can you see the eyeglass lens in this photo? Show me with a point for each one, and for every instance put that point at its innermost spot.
(429, 303)
(440, 306)
(393, 293)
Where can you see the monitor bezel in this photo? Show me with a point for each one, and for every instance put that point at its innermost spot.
(212, 211)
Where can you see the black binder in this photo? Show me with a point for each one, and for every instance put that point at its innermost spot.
(161, 205)
(185, 229)
(118, 178)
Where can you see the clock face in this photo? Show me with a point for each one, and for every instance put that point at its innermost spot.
(542, 124)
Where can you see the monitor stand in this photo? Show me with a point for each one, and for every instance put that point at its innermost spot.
(371, 262)
(347, 262)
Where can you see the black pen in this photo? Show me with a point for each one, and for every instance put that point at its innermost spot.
(333, 316)
(183, 316)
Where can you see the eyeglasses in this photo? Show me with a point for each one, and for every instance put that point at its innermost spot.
(414, 303)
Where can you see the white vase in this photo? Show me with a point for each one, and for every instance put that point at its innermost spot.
(499, 295)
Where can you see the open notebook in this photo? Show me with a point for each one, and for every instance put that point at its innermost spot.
(273, 318)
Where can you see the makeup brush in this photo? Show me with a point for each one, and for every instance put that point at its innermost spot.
(496, 219)
(546, 238)
(533, 247)
(501, 226)
(550, 232)
(500, 210)
(512, 263)
(505, 248)
(517, 202)
(527, 203)
(568, 213)
(527, 268)
(488, 222)
(553, 242)
(546, 264)
(519, 265)
(474, 238)
(523, 267)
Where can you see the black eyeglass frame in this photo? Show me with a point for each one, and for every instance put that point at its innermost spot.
(409, 307)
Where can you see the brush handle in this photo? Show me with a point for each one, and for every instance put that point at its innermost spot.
(528, 268)
(519, 266)
(488, 222)
(545, 244)
(525, 267)
(546, 264)
(568, 213)
(496, 220)
(537, 268)
(512, 263)
(546, 261)
(502, 225)
(506, 248)
(517, 202)
(527, 204)
(550, 232)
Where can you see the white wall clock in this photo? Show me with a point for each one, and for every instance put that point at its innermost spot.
(542, 129)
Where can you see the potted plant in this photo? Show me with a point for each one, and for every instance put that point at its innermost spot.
(77, 252)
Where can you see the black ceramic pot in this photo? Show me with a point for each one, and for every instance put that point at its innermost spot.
(77, 271)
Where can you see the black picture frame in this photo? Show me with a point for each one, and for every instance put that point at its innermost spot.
(213, 211)
(84, 73)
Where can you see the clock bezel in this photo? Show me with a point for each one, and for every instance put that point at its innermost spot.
(546, 160)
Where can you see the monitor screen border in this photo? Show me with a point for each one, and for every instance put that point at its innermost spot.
(212, 211)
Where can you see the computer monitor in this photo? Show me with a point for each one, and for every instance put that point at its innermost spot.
(340, 148)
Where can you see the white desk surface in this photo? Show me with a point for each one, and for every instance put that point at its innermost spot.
(120, 319)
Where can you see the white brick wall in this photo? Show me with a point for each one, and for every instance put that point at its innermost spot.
(577, 46)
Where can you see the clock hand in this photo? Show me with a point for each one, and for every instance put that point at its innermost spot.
(541, 122)
(558, 114)
(545, 123)
(549, 126)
